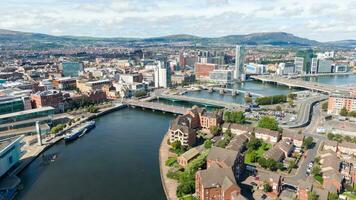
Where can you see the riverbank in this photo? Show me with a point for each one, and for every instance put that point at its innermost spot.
(169, 185)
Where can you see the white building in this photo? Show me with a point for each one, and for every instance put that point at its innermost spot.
(161, 75)
(221, 76)
(314, 66)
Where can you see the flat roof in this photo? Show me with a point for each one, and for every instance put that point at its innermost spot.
(24, 112)
(7, 142)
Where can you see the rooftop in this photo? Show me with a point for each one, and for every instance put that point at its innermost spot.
(25, 112)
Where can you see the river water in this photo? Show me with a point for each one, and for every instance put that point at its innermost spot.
(119, 158)
(116, 160)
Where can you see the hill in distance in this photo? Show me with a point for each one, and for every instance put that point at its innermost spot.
(33, 40)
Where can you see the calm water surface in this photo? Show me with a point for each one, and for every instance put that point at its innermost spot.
(116, 160)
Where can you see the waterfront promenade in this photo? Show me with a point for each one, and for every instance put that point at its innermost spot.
(169, 185)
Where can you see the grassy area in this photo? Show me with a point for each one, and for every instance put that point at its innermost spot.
(260, 151)
(350, 195)
(171, 161)
(319, 178)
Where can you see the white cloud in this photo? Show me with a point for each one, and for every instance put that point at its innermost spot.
(315, 19)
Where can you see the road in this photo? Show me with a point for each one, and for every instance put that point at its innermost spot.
(310, 130)
(304, 114)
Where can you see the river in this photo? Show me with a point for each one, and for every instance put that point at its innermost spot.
(116, 160)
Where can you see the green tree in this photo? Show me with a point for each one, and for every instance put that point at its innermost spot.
(324, 106)
(248, 100)
(208, 144)
(312, 196)
(292, 96)
(330, 136)
(278, 108)
(343, 112)
(176, 145)
(269, 123)
(316, 170)
(333, 196)
(214, 130)
(254, 144)
(262, 162)
(292, 164)
(185, 188)
(266, 187)
(308, 142)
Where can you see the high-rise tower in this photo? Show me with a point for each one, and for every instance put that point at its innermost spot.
(239, 62)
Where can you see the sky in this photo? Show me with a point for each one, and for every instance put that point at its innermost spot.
(320, 20)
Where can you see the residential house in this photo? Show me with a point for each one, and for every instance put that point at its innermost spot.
(330, 169)
(347, 148)
(297, 139)
(267, 135)
(180, 130)
(189, 155)
(216, 183)
(330, 145)
(226, 158)
(238, 142)
(210, 119)
(237, 129)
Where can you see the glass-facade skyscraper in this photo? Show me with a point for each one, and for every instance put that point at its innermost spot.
(71, 69)
(239, 62)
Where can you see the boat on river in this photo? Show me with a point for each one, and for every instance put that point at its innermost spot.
(79, 131)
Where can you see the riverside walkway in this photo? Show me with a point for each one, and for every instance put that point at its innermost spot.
(295, 83)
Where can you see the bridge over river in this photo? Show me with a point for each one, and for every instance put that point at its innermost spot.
(202, 101)
(297, 83)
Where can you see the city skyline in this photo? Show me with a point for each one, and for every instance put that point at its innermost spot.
(315, 19)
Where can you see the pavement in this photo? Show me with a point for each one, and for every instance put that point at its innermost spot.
(169, 185)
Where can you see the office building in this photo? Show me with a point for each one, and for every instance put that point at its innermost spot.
(202, 70)
(10, 153)
(314, 65)
(298, 63)
(221, 76)
(71, 69)
(9, 104)
(239, 62)
(307, 56)
(341, 68)
(286, 68)
(48, 98)
(253, 68)
(324, 66)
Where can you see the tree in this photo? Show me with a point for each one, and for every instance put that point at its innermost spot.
(343, 112)
(269, 123)
(292, 164)
(214, 130)
(330, 136)
(266, 187)
(290, 102)
(292, 96)
(333, 196)
(253, 144)
(262, 162)
(254, 157)
(176, 145)
(308, 142)
(248, 100)
(316, 170)
(278, 108)
(234, 117)
(324, 106)
(312, 196)
(208, 144)
(185, 188)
